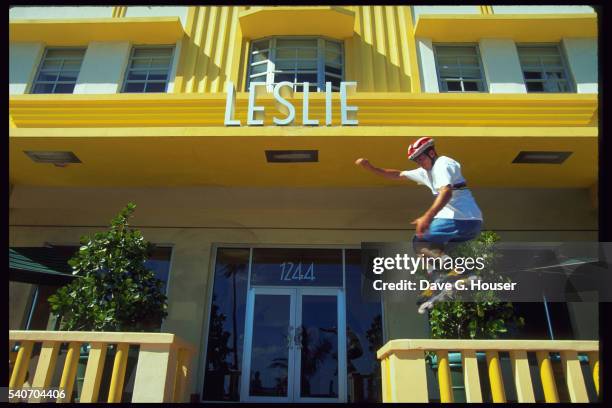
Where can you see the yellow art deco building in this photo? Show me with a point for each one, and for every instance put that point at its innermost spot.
(110, 105)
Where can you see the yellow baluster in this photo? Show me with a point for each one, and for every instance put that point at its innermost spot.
(118, 376)
(69, 372)
(547, 377)
(495, 378)
(444, 377)
(21, 364)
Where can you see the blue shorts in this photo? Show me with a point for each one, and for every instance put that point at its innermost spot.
(444, 230)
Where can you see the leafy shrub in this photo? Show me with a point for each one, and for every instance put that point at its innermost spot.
(113, 291)
(487, 317)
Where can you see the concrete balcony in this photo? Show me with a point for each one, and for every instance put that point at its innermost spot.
(162, 372)
(404, 370)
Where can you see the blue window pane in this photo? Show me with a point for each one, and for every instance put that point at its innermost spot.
(333, 70)
(259, 68)
(64, 88)
(158, 75)
(453, 86)
(535, 87)
(137, 76)
(134, 87)
(43, 88)
(334, 80)
(312, 78)
(284, 77)
(52, 64)
(68, 76)
(47, 76)
(470, 86)
(533, 75)
(159, 263)
(261, 78)
(71, 65)
(156, 87)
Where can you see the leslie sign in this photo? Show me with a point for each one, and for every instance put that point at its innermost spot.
(281, 91)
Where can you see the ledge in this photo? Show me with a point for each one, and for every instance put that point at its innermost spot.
(328, 21)
(73, 32)
(519, 27)
(375, 109)
(484, 345)
(100, 337)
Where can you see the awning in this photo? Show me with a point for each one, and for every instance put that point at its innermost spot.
(39, 266)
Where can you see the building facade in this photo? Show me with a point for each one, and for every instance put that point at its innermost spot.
(260, 224)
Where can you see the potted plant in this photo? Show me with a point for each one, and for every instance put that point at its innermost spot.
(484, 318)
(114, 290)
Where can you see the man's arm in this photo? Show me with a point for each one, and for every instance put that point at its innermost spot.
(422, 223)
(386, 173)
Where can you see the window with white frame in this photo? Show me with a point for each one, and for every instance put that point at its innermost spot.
(459, 68)
(297, 60)
(148, 69)
(58, 70)
(544, 69)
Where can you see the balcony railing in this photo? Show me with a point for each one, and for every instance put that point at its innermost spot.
(161, 374)
(404, 369)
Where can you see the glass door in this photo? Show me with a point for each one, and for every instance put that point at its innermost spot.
(295, 345)
(269, 358)
(320, 346)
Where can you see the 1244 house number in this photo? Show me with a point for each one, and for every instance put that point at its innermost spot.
(293, 272)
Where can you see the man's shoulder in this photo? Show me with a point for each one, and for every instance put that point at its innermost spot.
(445, 160)
(418, 172)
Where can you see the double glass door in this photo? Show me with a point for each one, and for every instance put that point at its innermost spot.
(295, 345)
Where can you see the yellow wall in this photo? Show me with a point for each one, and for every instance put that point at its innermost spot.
(215, 50)
(380, 53)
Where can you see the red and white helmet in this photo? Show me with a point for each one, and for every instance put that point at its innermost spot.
(419, 146)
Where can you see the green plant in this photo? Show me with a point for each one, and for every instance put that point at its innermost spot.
(113, 291)
(486, 317)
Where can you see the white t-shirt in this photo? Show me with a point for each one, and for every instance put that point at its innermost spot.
(445, 171)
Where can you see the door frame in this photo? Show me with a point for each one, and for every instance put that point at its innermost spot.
(294, 356)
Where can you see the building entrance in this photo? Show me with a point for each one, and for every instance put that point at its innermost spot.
(292, 325)
(294, 345)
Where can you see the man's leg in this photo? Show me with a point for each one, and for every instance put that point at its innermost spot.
(431, 246)
(434, 244)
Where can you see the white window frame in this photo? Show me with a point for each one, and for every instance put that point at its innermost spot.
(563, 68)
(172, 48)
(442, 85)
(56, 81)
(271, 61)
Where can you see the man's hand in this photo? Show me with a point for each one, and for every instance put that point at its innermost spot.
(362, 162)
(422, 225)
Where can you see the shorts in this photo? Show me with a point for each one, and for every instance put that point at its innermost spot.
(444, 230)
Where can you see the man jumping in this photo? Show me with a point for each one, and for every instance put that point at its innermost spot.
(454, 215)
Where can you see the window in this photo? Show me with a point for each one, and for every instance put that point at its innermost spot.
(459, 68)
(226, 326)
(148, 69)
(297, 60)
(38, 314)
(543, 68)
(58, 70)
